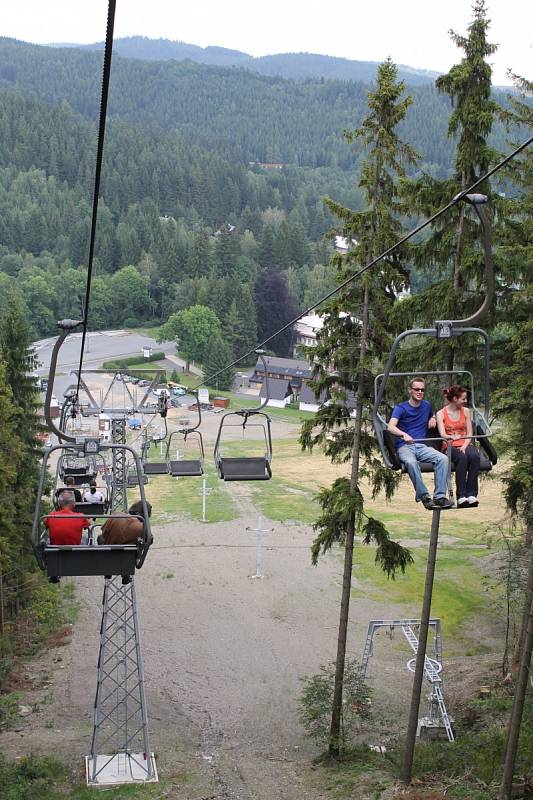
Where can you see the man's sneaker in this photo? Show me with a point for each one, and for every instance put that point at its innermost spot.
(442, 502)
(427, 502)
(463, 502)
(472, 501)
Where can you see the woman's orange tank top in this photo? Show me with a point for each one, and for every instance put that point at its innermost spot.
(454, 427)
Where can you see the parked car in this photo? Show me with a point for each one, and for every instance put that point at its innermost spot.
(134, 424)
(143, 383)
(179, 391)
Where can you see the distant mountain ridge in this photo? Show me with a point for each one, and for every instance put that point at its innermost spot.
(285, 65)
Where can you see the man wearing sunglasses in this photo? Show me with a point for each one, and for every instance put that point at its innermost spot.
(410, 421)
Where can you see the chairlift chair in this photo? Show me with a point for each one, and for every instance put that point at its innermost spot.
(387, 441)
(90, 559)
(155, 467)
(183, 467)
(81, 468)
(246, 468)
(445, 329)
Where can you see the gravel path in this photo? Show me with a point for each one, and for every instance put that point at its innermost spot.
(223, 656)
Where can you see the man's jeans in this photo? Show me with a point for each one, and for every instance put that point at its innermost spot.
(412, 454)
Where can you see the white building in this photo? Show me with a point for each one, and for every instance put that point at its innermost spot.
(305, 331)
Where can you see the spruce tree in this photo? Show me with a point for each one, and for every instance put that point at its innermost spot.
(22, 450)
(452, 252)
(275, 307)
(353, 337)
(219, 355)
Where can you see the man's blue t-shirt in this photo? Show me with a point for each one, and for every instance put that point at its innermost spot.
(412, 420)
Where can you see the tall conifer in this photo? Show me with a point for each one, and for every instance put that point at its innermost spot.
(452, 252)
(354, 335)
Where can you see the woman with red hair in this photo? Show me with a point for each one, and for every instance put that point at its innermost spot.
(455, 426)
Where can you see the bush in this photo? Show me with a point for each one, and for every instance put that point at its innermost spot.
(122, 363)
(30, 777)
(316, 702)
(9, 709)
(132, 322)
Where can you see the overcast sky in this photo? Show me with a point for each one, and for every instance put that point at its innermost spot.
(413, 32)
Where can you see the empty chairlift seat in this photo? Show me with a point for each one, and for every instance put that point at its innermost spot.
(244, 468)
(253, 468)
(189, 462)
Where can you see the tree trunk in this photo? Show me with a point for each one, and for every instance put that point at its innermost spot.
(515, 661)
(456, 265)
(520, 694)
(336, 711)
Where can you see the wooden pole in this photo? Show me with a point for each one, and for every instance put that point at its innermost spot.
(1, 602)
(520, 694)
(421, 651)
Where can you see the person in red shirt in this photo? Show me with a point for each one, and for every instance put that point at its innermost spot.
(64, 525)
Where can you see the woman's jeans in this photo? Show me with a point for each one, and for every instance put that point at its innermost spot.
(466, 471)
(412, 454)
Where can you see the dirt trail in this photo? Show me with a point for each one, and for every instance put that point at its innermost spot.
(223, 656)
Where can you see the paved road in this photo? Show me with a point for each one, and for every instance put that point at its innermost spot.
(99, 347)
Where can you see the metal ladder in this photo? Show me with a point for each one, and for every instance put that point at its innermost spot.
(432, 670)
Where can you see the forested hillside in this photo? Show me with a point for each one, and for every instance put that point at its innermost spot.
(212, 177)
(286, 65)
(238, 113)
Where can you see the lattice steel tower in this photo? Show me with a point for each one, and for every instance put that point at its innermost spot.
(120, 716)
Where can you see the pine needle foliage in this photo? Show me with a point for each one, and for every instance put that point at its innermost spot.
(353, 339)
(452, 252)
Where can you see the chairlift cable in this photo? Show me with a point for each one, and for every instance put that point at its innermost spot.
(99, 158)
(457, 199)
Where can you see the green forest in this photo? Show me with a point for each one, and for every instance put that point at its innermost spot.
(190, 212)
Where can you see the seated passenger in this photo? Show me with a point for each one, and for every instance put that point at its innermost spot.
(65, 526)
(410, 421)
(93, 495)
(123, 528)
(69, 487)
(455, 427)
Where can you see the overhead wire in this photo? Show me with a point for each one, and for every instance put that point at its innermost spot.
(457, 199)
(99, 158)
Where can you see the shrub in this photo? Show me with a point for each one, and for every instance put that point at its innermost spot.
(122, 363)
(316, 702)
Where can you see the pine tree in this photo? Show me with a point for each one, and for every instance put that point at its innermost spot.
(452, 251)
(201, 255)
(219, 355)
(275, 307)
(347, 349)
(230, 330)
(22, 451)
